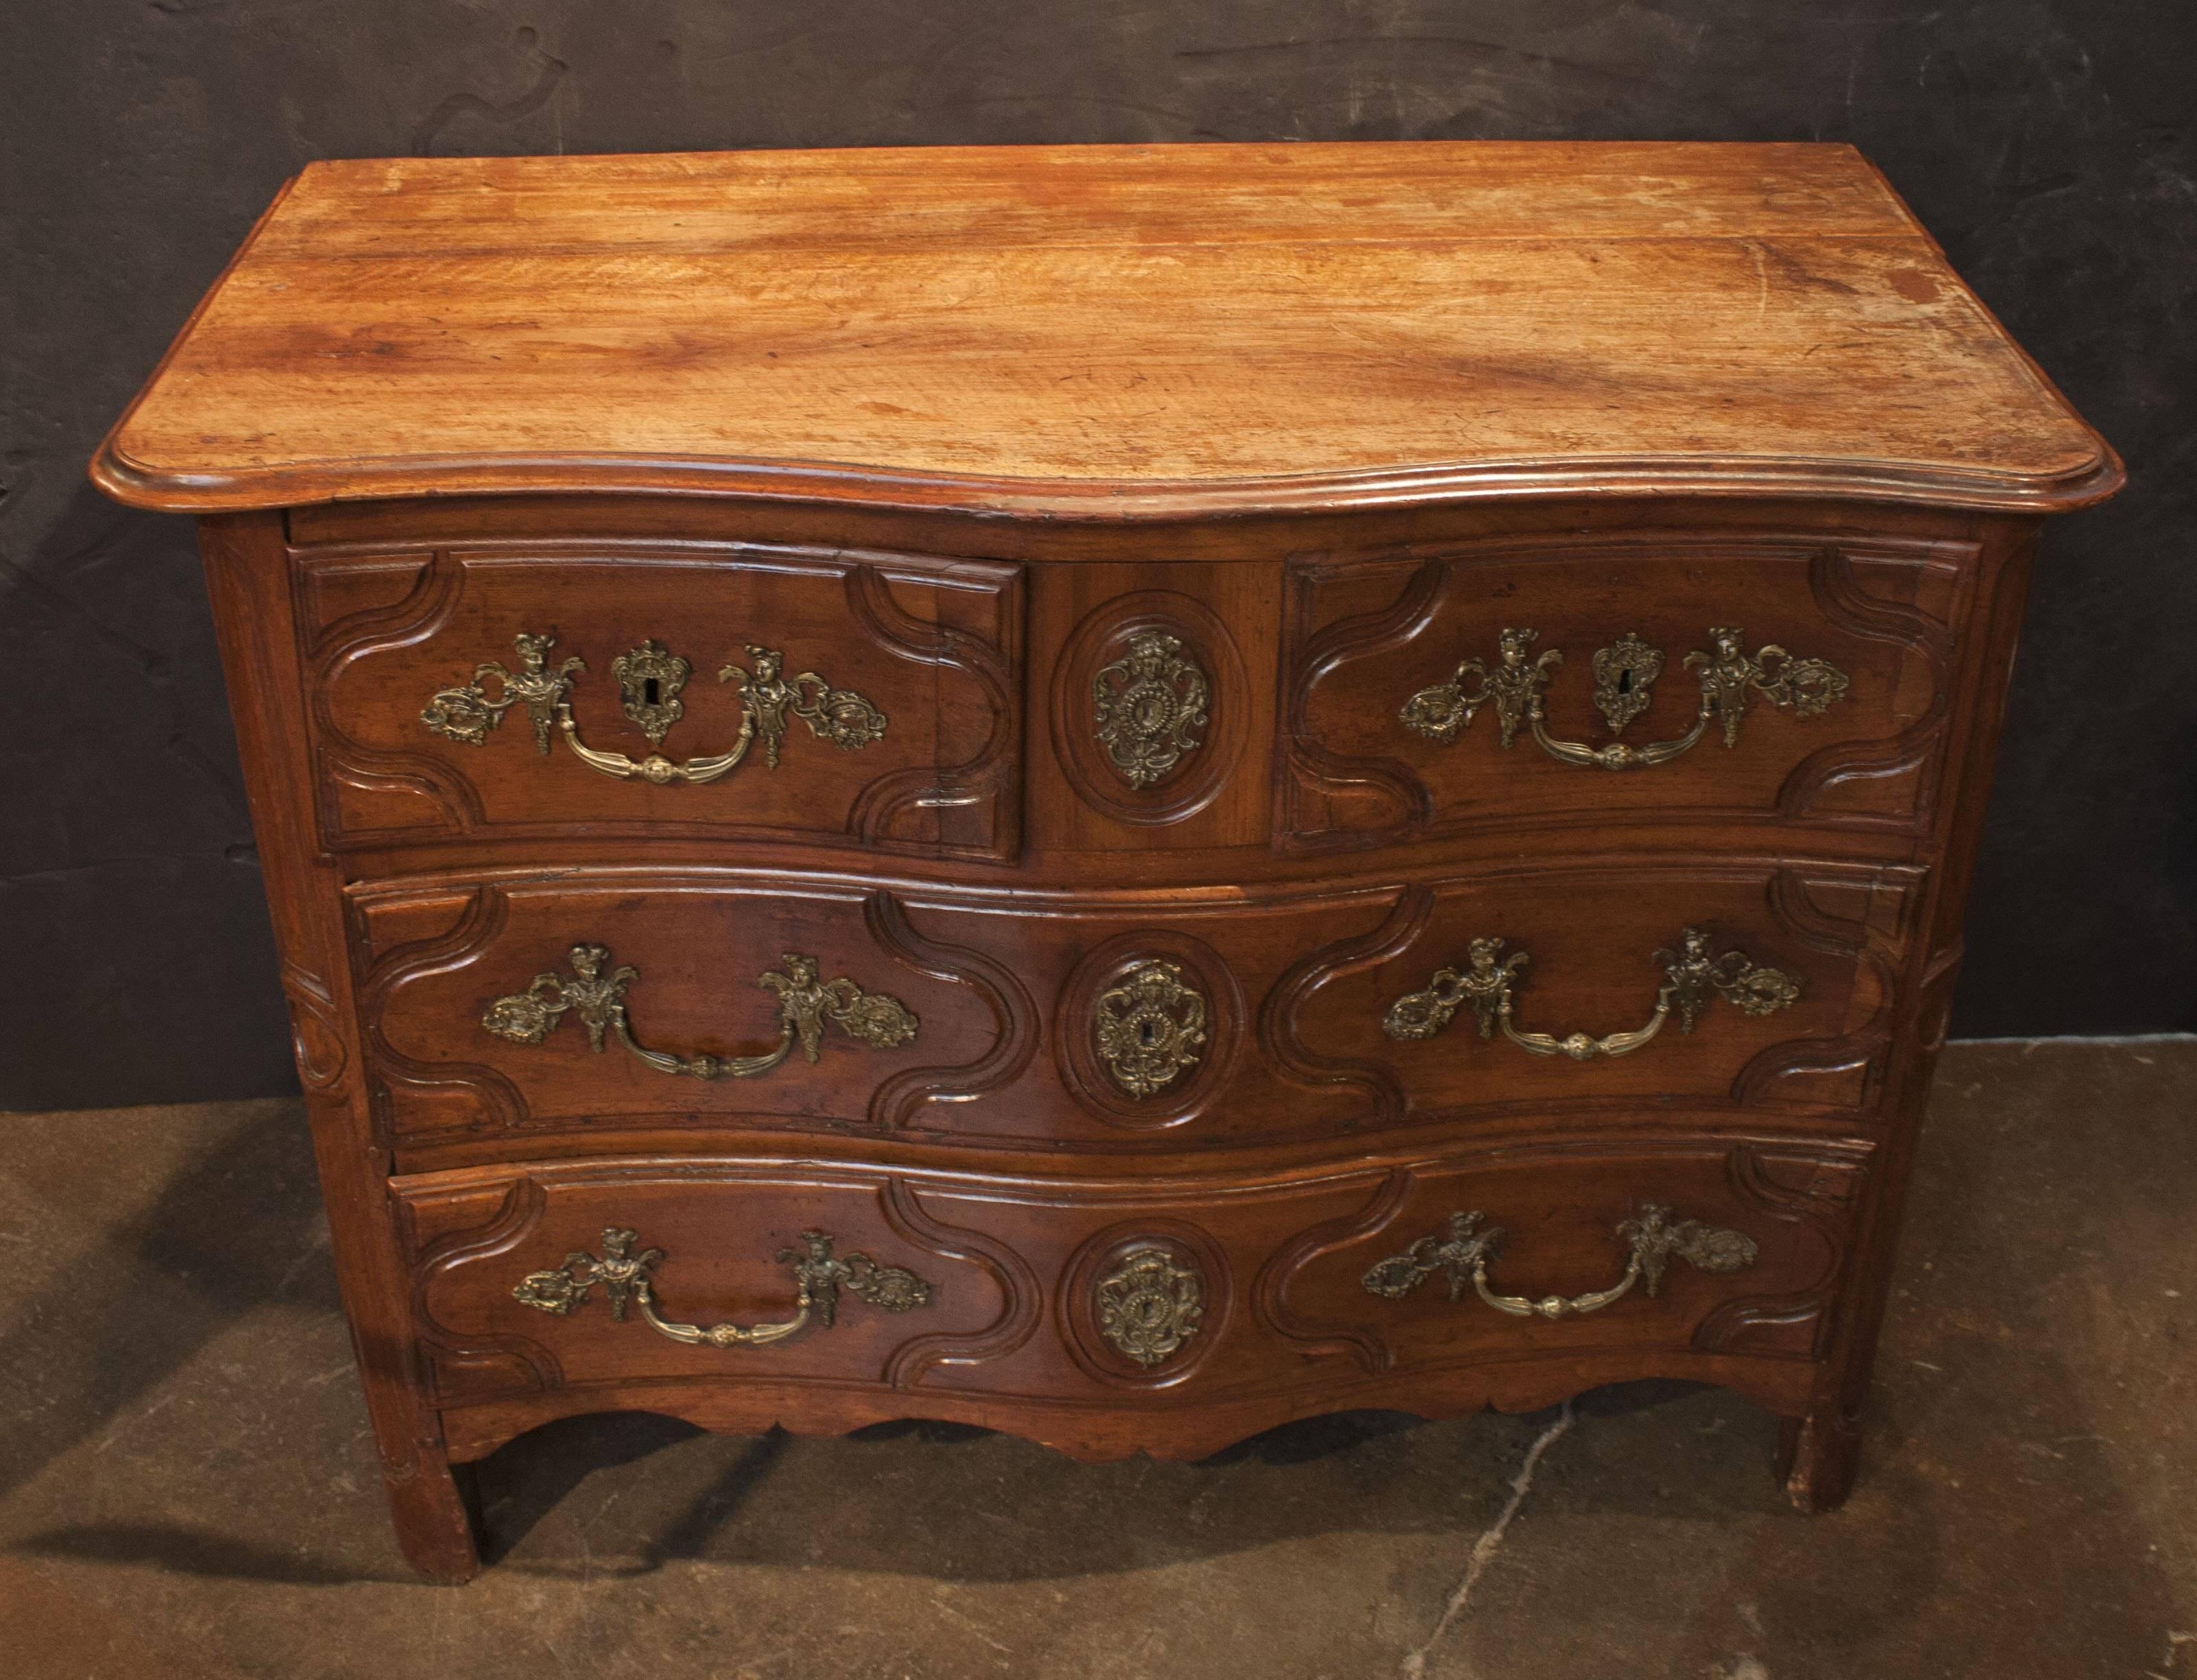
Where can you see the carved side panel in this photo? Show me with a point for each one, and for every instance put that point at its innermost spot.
(1363, 636)
(906, 670)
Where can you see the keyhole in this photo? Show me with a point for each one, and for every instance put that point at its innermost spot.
(648, 691)
(1148, 1033)
(1624, 682)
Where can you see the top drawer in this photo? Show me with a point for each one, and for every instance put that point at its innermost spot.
(720, 690)
(1639, 677)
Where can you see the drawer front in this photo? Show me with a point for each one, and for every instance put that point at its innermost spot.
(600, 1001)
(1665, 1257)
(1540, 995)
(726, 690)
(1653, 678)
(503, 1014)
(1091, 1025)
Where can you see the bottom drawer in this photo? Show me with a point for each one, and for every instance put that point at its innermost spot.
(1107, 1315)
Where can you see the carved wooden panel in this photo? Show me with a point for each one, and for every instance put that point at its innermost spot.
(1086, 1296)
(463, 1041)
(931, 647)
(1559, 1211)
(1157, 686)
(1364, 635)
(721, 1230)
(1597, 942)
(1014, 998)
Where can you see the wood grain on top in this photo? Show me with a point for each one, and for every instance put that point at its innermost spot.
(1109, 331)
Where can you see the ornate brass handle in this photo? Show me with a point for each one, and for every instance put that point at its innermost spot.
(804, 1004)
(1464, 1252)
(626, 1276)
(649, 677)
(1625, 676)
(1691, 979)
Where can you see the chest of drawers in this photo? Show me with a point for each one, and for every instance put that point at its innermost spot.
(1120, 793)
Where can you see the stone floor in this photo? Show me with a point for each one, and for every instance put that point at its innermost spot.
(185, 1487)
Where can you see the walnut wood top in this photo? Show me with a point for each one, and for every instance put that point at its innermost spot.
(1121, 332)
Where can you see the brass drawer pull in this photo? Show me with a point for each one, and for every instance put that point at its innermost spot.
(626, 1276)
(804, 1004)
(1464, 1252)
(649, 677)
(1625, 676)
(1691, 979)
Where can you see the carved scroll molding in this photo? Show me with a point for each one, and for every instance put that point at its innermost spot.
(496, 1101)
(476, 1366)
(1816, 1191)
(316, 1031)
(1311, 775)
(1916, 750)
(987, 783)
(1150, 708)
(905, 1099)
(1357, 1340)
(1281, 1016)
(453, 807)
(1861, 917)
(1022, 1295)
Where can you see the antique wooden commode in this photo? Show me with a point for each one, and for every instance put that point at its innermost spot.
(1122, 793)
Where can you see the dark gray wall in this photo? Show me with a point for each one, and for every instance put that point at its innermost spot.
(2048, 143)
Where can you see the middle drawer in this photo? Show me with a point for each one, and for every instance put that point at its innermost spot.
(503, 1015)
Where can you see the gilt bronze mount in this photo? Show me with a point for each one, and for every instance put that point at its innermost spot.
(1625, 675)
(1489, 982)
(628, 1278)
(1463, 1251)
(596, 992)
(1149, 707)
(650, 678)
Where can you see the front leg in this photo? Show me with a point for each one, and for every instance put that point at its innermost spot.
(433, 1506)
(1817, 1454)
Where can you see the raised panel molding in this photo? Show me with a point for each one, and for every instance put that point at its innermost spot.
(1860, 915)
(1328, 797)
(369, 796)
